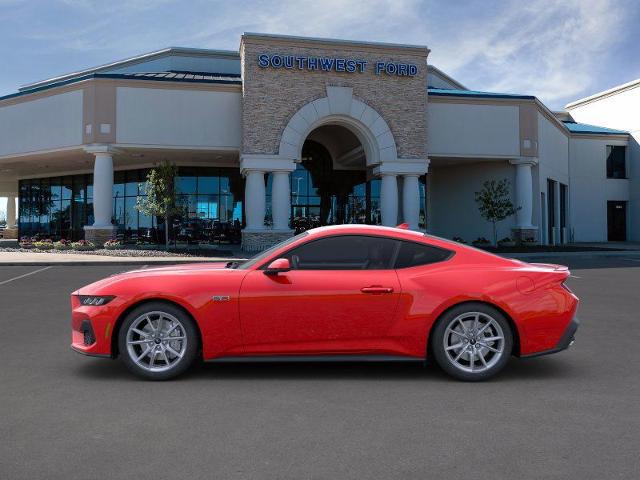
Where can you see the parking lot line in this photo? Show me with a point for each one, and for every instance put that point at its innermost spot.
(25, 275)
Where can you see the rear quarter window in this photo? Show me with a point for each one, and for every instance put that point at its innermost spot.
(413, 254)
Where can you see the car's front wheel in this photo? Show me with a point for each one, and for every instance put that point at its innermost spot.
(472, 341)
(158, 341)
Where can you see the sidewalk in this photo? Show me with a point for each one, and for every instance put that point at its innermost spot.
(35, 259)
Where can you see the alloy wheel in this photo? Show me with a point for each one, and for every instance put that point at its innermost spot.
(156, 341)
(474, 342)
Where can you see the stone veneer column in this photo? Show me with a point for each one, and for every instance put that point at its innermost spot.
(256, 236)
(281, 200)
(410, 169)
(102, 228)
(524, 198)
(411, 200)
(389, 199)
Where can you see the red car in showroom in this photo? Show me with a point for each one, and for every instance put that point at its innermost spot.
(351, 292)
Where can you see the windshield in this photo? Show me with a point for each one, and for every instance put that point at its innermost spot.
(267, 253)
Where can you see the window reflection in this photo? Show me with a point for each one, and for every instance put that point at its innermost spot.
(211, 201)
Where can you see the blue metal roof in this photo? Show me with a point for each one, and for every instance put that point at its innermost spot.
(444, 92)
(575, 127)
(188, 77)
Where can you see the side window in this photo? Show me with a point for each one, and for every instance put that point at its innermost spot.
(413, 254)
(347, 252)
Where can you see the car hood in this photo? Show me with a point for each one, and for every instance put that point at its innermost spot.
(155, 272)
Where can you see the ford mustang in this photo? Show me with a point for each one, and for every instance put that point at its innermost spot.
(350, 292)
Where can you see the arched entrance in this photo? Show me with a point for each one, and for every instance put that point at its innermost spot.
(331, 184)
(337, 162)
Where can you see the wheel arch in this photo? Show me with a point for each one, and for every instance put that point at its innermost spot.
(118, 323)
(512, 324)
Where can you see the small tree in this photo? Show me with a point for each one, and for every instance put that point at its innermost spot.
(161, 200)
(494, 203)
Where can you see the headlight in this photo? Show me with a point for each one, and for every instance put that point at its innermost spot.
(95, 301)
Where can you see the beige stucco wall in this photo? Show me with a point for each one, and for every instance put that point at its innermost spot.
(50, 122)
(272, 96)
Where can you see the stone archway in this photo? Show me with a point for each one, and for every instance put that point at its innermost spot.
(339, 107)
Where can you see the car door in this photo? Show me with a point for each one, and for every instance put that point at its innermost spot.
(340, 297)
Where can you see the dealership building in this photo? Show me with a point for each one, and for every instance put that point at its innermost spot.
(289, 133)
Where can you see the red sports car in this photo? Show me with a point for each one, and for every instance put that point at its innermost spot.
(351, 292)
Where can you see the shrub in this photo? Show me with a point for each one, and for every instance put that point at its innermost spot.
(83, 245)
(506, 242)
(481, 241)
(113, 244)
(458, 239)
(26, 242)
(62, 245)
(43, 244)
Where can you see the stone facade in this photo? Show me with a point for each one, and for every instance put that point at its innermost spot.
(272, 96)
(256, 241)
(9, 233)
(99, 236)
(524, 234)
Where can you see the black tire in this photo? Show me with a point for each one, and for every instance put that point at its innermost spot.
(464, 313)
(187, 328)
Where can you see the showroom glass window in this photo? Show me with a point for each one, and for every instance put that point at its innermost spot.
(343, 200)
(211, 199)
(616, 161)
(212, 203)
(56, 207)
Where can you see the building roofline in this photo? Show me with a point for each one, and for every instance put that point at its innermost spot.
(120, 76)
(605, 93)
(445, 92)
(588, 129)
(132, 61)
(562, 125)
(423, 49)
(447, 77)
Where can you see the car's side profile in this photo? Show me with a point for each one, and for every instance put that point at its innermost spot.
(335, 293)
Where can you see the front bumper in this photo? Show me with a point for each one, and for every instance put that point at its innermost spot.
(565, 341)
(91, 328)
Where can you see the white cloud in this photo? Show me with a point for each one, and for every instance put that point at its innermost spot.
(546, 48)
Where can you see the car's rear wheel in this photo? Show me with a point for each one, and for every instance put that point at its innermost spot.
(472, 341)
(158, 341)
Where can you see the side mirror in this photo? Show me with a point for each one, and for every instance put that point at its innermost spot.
(279, 265)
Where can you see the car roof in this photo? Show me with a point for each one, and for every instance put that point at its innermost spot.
(362, 228)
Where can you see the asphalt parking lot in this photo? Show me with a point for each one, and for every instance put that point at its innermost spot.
(572, 415)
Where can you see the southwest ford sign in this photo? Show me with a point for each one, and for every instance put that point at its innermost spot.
(334, 64)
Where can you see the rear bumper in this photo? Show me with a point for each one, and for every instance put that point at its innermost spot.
(565, 341)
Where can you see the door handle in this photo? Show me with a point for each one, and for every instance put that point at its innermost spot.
(376, 289)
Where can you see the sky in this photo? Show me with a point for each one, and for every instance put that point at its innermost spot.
(557, 50)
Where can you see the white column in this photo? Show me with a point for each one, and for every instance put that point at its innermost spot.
(524, 193)
(103, 189)
(280, 200)
(11, 212)
(255, 200)
(389, 199)
(556, 226)
(411, 200)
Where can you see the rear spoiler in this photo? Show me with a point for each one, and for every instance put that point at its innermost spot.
(552, 266)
